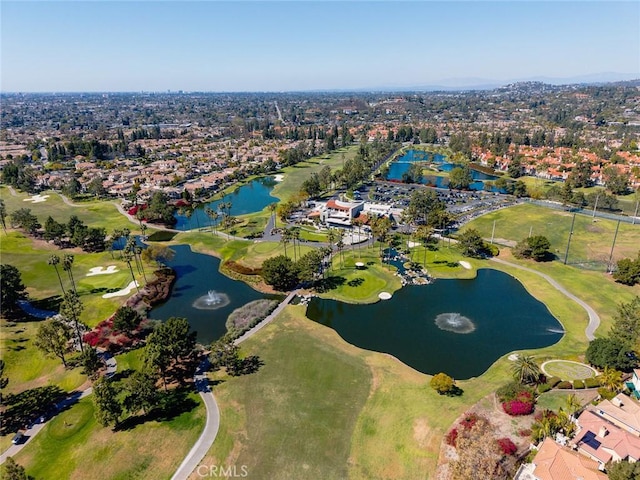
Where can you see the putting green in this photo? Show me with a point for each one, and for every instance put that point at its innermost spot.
(567, 370)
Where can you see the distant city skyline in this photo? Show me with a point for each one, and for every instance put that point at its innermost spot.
(105, 46)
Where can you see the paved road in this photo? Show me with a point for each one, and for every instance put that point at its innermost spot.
(594, 318)
(208, 435)
(74, 397)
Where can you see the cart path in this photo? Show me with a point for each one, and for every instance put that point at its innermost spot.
(594, 318)
(212, 425)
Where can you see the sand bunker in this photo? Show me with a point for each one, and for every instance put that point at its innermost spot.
(278, 178)
(413, 244)
(102, 270)
(384, 295)
(466, 265)
(123, 292)
(37, 198)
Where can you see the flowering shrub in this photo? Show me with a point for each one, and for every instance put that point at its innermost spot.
(452, 437)
(469, 421)
(516, 408)
(507, 447)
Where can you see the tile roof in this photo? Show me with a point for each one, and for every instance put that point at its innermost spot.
(554, 462)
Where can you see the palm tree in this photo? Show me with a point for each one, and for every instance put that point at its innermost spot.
(611, 379)
(71, 307)
(194, 210)
(67, 263)
(340, 246)
(424, 234)
(285, 238)
(272, 208)
(3, 215)
(127, 258)
(526, 370)
(55, 260)
(573, 404)
(331, 237)
(295, 237)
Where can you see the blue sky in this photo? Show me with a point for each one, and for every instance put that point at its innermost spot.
(304, 45)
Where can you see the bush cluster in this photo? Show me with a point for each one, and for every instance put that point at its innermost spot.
(507, 447)
(565, 385)
(241, 269)
(522, 404)
(553, 381)
(249, 315)
(592, 382)
(578, 384)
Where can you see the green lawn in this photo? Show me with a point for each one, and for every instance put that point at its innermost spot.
(294, 176)
(99, 213)
(42, 282)
(568, 370)
(590, 244)
(557, 399)
(294, 417)
(74, 445)
(26, 366)
(361, 285)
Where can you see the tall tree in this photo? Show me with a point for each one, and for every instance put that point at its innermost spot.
(3, 215)
(67, 266)
(105, 399)
(54, 260)
(142, 393)
(53, 338)
(71, 308)
(11, 287)
(525, 370)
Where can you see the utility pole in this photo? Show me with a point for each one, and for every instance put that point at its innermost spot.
(615, 235)
(596, 205)
(566, 254)
(493, 231)
(633, 220)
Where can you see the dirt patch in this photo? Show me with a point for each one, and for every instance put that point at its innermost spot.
(421, 432)
(594, 228)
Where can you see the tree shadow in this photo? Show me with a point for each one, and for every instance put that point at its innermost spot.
(455, 391)
(122, 374)
(245, 366)
(329, 283)
(355, 282)
(172, 404)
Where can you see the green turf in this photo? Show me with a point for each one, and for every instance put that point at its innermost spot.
(101, 214)
(591, 241)
(361, 285)
(556, 399)
(568, 370)
(294, 176)
(73, 445)
(26, 366)
(300, 407)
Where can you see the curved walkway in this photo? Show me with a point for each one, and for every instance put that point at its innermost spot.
(212, 425)
(208, 435)
(74, 397)
(594, 318)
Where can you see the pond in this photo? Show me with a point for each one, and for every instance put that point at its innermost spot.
(401, 166)
(460, 327)
(197, 275)
(249, 198)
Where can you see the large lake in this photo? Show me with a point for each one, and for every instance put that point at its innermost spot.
(196, 275)
(249, 198)
(401, 165)
(503, 317)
